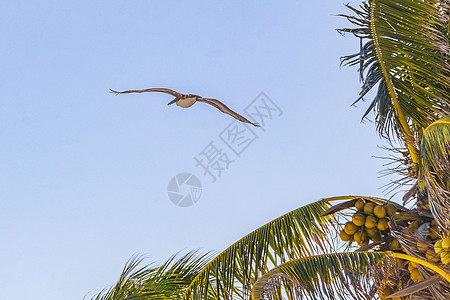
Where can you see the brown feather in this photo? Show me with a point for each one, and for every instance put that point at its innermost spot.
(157, 90)
(226, 110)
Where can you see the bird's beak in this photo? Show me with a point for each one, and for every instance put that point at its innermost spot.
(173, 101)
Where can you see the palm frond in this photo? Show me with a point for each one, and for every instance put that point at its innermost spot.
(167, 281)
(406, 55)
(300, 233)
(335, 276)
(328, 276)
(297, 234)
(435, 169)
(129, 282)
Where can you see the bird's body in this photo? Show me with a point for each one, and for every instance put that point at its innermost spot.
(187, 100)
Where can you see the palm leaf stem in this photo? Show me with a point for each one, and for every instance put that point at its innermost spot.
(408, 136)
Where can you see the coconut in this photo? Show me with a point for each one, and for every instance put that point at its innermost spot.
(358, 219)
(371, 222)
(391, 209)
(363, 243)
(446, 243)
(350, 228)
(376, 237)
(438, 246)
(361, 236)
(379, 211)
(368, 208)
(344, 236)
(445, 256)
(395, 245)
(383, 224)
(371, 232)
(360, 204)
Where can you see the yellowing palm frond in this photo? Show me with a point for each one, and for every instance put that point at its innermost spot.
(435, 169)
(328, 276)
(332, 276)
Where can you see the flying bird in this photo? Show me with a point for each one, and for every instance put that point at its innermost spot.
(188, 100)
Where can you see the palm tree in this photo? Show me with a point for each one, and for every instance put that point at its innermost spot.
(385, 249)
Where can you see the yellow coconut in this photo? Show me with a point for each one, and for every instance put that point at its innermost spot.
(363, 243)
(371, 222)
(438, 246)
(350, 228)
(395, 245)
(391, 209)
(344, 236)
(376, 237)
(360, 204)
(445, 256)
(379, 211)
(358, 219)
(446, 243)
(361, 236)
(368, 208)
(371, 232)
(383, 224)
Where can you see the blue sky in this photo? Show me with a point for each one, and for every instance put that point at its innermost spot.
(84, 174)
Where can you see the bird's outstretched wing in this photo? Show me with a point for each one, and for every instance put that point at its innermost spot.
(223, 108)
(158, 90)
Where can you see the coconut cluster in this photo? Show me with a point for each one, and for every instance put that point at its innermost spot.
(369, 223)
(442, 248)
(423, 237)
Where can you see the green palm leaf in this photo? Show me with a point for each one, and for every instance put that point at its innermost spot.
(406, 55)
(334, 276)
(232, 273)
(327, 276)
(435, 169)
(300, 233)
(164, 282)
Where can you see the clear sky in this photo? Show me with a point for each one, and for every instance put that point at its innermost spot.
(85, 173)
